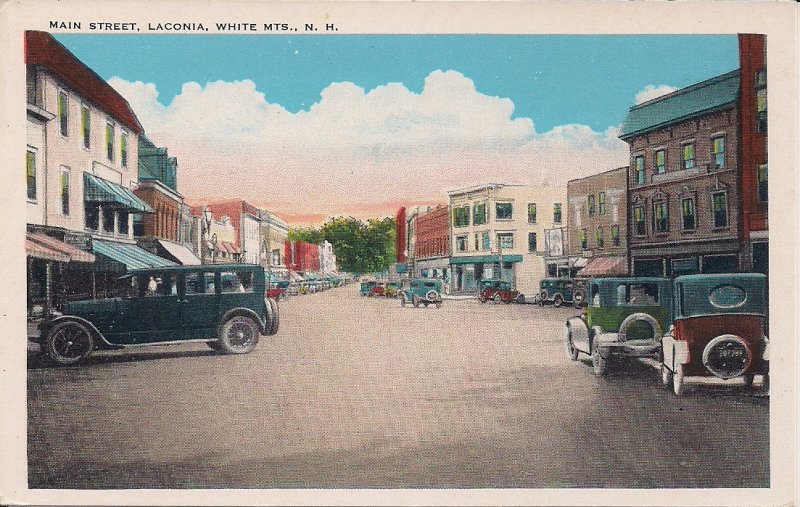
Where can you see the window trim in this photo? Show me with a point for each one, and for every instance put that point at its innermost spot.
(636, 233)
(86, 134)
(639, 177)
(684, 145)
(712, 157)
(659, 202)
(34, 152)
(497, 214)
(694, 213)
(63, 125)
(714, 225)
(532, 205)
(656, 151)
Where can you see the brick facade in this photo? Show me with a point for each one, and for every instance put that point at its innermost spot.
(433, 234)
(597, 218)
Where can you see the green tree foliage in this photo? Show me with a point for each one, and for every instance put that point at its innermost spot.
(359, 247)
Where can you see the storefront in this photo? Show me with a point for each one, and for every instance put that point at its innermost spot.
(467, 272)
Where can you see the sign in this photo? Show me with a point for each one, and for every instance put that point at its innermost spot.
(554, 242)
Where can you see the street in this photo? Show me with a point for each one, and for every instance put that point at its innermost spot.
(358, 392)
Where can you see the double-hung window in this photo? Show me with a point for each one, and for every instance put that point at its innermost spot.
(486, 241)
(557, 213)
(615, 235)
(505, 240)
(123, 150)
(64, 191)
(601, 203)
(719, 203)
(638, 170)
(598, 233)
(86, 127)
(688, 214)
(688, 155)
(532, 242)
(30, 174)
(479, 214)
(718, 151)
(638, 220)
(660, 160)
(504, 211)
(761, 100)
(461, 216)
(63, 114)
(763, 186)
(110, 141)
(590, 205)
(582, 239)
(660, 217)
(531, 212)
(461, 243)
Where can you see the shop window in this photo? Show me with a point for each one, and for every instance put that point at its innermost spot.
(504, 211)
(86, 126)
(532, 242)
(615, 235)
(638, 170)
(660, 160)
(557, 213)
(590, 205)
(531, 212)
(718, 151)
(63, 114)
(720, 209)
(30, 174)
(660, 217)
(638, 220)
(763, 186)
(65, 191)
(479, 214)
(601, 203)
(688, 214)
(688, 155)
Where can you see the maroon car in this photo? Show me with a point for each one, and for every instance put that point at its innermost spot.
(497, 291)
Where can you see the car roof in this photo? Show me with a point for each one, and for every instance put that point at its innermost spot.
(629, 279)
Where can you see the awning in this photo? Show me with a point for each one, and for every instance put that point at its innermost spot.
(72, 253)
(484, 258)
(99, 190)
(37, 251)
(580, 262)
(605, 266)
(400, 267)
(295, 276)
(181, 254)
(130, 256)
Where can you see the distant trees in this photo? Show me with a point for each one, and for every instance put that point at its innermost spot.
(360, 247)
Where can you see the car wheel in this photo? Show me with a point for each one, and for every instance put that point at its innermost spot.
(542, 298)
(677, 380)
(577, 299)
(402, 300)
(438, 304)
(482, 298)
(238, 335)
(497, 298)
(558, 300)
(521, 299)
(599, 363)
(275, 321)
(666, 376)
(748, 380)
(68, 343)
(572, 352)
(415, 301)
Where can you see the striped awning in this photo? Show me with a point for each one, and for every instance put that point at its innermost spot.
(102, 191)
(41, 246)
(605, 266)
(129, 256)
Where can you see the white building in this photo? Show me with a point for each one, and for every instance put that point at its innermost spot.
(498, 231)
(327, 260)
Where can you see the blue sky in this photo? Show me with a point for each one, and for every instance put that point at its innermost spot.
(555, 80)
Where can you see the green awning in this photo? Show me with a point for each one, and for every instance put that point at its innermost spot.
(122, 256)
(102, 191)
(484, 258)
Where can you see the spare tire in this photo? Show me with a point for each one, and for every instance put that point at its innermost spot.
(431, 295)
(622, 334)
(727, 356)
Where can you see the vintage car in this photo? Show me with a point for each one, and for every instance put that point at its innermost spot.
(278, 290)
(624, 318)
(223, 305)
(379, 289)
(392, 288)
(717, 329)
(497, 291)
(559, 291)
(366, 287)
(422, 291)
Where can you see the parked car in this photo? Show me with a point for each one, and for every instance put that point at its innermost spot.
(499, 290)
(559, 291)
(625, 318)
(366, 287)
(222, 305)
(422, 291)
(717, 329)
(379, 289)
(278, 290)
(392, 288)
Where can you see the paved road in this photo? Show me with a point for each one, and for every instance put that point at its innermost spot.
(358, 392)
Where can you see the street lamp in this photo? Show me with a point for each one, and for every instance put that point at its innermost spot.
(205, 222)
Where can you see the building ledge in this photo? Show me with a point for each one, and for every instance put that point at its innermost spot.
(39, 112)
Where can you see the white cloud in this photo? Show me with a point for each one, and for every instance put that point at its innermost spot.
(358, 147)
(650, 92)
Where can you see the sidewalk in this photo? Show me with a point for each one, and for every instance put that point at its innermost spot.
(459, 297)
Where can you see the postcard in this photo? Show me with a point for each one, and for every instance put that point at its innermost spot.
(371, 253)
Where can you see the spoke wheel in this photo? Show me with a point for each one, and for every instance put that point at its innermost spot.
(497, 298)
(238, 335)
(69, 343)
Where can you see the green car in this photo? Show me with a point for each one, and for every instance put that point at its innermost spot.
(422, 291)
(625, 317)
(222, 305)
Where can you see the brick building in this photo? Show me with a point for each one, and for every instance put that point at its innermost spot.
(432, 243)
(245, 219)
(302, 256)
(597, 223)
(683, 180)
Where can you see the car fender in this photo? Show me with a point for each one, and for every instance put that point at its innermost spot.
(580, 334)
(46, 325)
(247, 312)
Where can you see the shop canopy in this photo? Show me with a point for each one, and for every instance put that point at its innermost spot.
(605, 266)
(44, 247)
(484, 258)
(122, 257)
(182, 255)
(295, 276)
(102, 191)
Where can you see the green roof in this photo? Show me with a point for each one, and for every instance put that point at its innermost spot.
(690, 102)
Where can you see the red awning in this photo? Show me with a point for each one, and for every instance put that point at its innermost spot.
(69, 252)
(37, 251)
(604, 266)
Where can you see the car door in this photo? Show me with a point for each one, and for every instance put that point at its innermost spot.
(151, 313)
(199, 300)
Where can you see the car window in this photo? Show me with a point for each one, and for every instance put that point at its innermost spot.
(430, 284)
(159, 285)
(199, 283)
(236, 281)
(637, 294)
(595, 297)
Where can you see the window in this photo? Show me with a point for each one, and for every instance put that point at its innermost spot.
(122, 222)
(601, 203)
(461, 216)
(582, 239)
(30, 174)
(63, 115)
(461, 243)
(479, 214)
(718, 151)
(761, 100)
(157, 285)
(232, 282)
(504, 211)
(688, 155)
(638, 170)
(123, 150)
(65, 191)
(660, 217)
(531, 241)
(720, 209)
(557, 213)
(598, 233)
(590, 205)
(110, 141)
(477, 242)
(615, 235)
(763, 187)
(199, 283)
(531, 212)
(86, 127)
(660, 161)
(638, 220)
(91, 216)
(688, 214)
(486, 241)
(505, 240)
(108, 220)
(639, 294)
